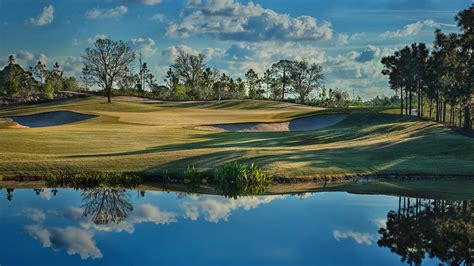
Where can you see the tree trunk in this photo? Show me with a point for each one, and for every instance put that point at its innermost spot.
(411, 97)
(284, 87)
(467, 117)
(109, 95)
(406, 101)
(460, 116)
(401, 100)
(419, 103)
(422, 105)
(444, 111)
(437, 109)
(431, 108)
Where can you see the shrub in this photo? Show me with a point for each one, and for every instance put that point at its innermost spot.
(240, 174)
(193, 176)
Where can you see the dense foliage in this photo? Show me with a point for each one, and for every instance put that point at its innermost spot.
(441, 80)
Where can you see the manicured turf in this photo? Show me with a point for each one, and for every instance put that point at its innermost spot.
(150, 137)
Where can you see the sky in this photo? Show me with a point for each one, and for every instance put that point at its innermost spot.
(348, 38)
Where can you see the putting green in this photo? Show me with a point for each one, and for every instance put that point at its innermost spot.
(144, 137)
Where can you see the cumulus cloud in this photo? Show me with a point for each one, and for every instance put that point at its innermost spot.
(238, 58)
(342, 39)
(414, 28)
(169, 54)
(146, 46)
(147, 2)
(34, 214)
(368, 54)
(43, 59)
(145, 213)
(381, 223)
(360, 238)
(232, 20)
(215, 209)
(45, 18)
(92, 40)
(24, 55)
(72, 240)
(71, 65)
(158, 17)
(115, 12)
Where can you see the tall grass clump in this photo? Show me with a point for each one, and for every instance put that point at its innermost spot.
(193, 176)
(241, 174)
(235, 179)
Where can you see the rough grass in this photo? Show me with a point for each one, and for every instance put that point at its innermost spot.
(149, 138)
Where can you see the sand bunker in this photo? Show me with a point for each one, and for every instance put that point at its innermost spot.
(50, 119)
(300, 124)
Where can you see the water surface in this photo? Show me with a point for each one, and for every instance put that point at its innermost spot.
(131, 227)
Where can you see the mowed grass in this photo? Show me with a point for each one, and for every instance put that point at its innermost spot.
(147, 138)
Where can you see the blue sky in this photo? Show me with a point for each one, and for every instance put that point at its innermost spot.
(347, 38)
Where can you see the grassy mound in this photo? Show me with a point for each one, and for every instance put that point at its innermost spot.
(148, 138)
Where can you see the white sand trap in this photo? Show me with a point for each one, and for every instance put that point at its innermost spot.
(50, 119)
(300, 124)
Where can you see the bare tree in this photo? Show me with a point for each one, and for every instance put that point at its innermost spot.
(106, 63)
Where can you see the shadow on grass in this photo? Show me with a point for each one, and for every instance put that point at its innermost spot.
(351, 129)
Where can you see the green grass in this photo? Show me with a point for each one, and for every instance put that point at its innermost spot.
(153, 138)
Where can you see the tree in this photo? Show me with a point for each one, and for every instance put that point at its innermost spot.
(253, 83)
(40, 72)
(465, 21)
(190, 69)
(281, 72)
(305, 78)
(106, 63)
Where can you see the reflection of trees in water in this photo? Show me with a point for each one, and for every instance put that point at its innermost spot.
(440, 228)
(106, 205)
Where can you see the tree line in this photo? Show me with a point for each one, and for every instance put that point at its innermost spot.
(109, 63)
(36, 82)
(439, 82)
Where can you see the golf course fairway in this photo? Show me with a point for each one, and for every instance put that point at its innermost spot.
(149, 137)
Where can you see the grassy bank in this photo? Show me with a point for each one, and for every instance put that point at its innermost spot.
(131, 136)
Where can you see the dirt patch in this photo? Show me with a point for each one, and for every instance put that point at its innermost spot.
(50, 119)
(308, 123)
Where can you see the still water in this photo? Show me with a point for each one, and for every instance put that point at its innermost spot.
(131, 227)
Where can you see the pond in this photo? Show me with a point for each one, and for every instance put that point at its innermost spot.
(115, 226)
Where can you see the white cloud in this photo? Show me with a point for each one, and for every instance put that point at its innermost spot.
(43, 59)
(92, 40)
(45, 18)
(238, 58)
(145, 46)
(231, 20)
(360, 238)
(71, 65)
(414, 28)
(381, 223)
(97, 13)
(342, 39)
(24, 55)
(71, 239)
(145, 213)
(215, 208)
(147, 2)
(158, 17)
(34, 214)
